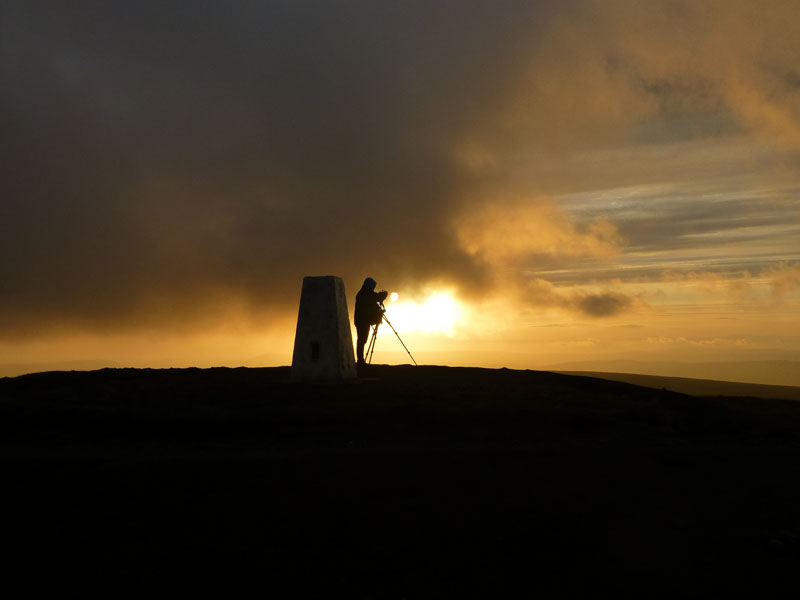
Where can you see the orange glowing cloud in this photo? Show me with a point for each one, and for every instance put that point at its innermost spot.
(508, 232)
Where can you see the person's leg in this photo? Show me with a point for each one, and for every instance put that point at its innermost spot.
(363, 334)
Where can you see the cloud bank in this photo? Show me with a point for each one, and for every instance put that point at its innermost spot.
(166, 162)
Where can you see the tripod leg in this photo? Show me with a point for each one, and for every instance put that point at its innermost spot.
(399, 338)
(371, 346)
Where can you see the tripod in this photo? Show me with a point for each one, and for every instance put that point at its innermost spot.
(371, 345)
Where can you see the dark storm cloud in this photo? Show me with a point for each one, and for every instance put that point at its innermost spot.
(606, 303)
(603, 305)
(157, 151)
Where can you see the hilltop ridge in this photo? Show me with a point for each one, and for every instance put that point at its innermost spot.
(412, 482)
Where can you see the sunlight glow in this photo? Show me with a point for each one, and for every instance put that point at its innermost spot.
(439, 313)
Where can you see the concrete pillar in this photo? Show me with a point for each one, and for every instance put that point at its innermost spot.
(323, 344)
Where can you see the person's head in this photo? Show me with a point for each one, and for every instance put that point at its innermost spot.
(369, 283)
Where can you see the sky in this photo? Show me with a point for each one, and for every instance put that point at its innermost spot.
(539, 182)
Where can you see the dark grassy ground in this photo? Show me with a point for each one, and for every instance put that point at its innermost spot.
(418, 482)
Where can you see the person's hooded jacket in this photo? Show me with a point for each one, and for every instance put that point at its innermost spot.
(368, 311)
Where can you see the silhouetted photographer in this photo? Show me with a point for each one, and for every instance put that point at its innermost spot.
(369, 312)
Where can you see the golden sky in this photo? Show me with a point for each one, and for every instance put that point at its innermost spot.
(540, 182)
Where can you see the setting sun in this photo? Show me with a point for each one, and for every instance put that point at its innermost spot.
(438, 313)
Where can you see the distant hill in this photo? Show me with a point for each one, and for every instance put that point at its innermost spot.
(768, 372)
(698, 387)
(14, 369)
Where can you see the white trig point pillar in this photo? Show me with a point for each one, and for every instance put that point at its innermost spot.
(323, 344)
